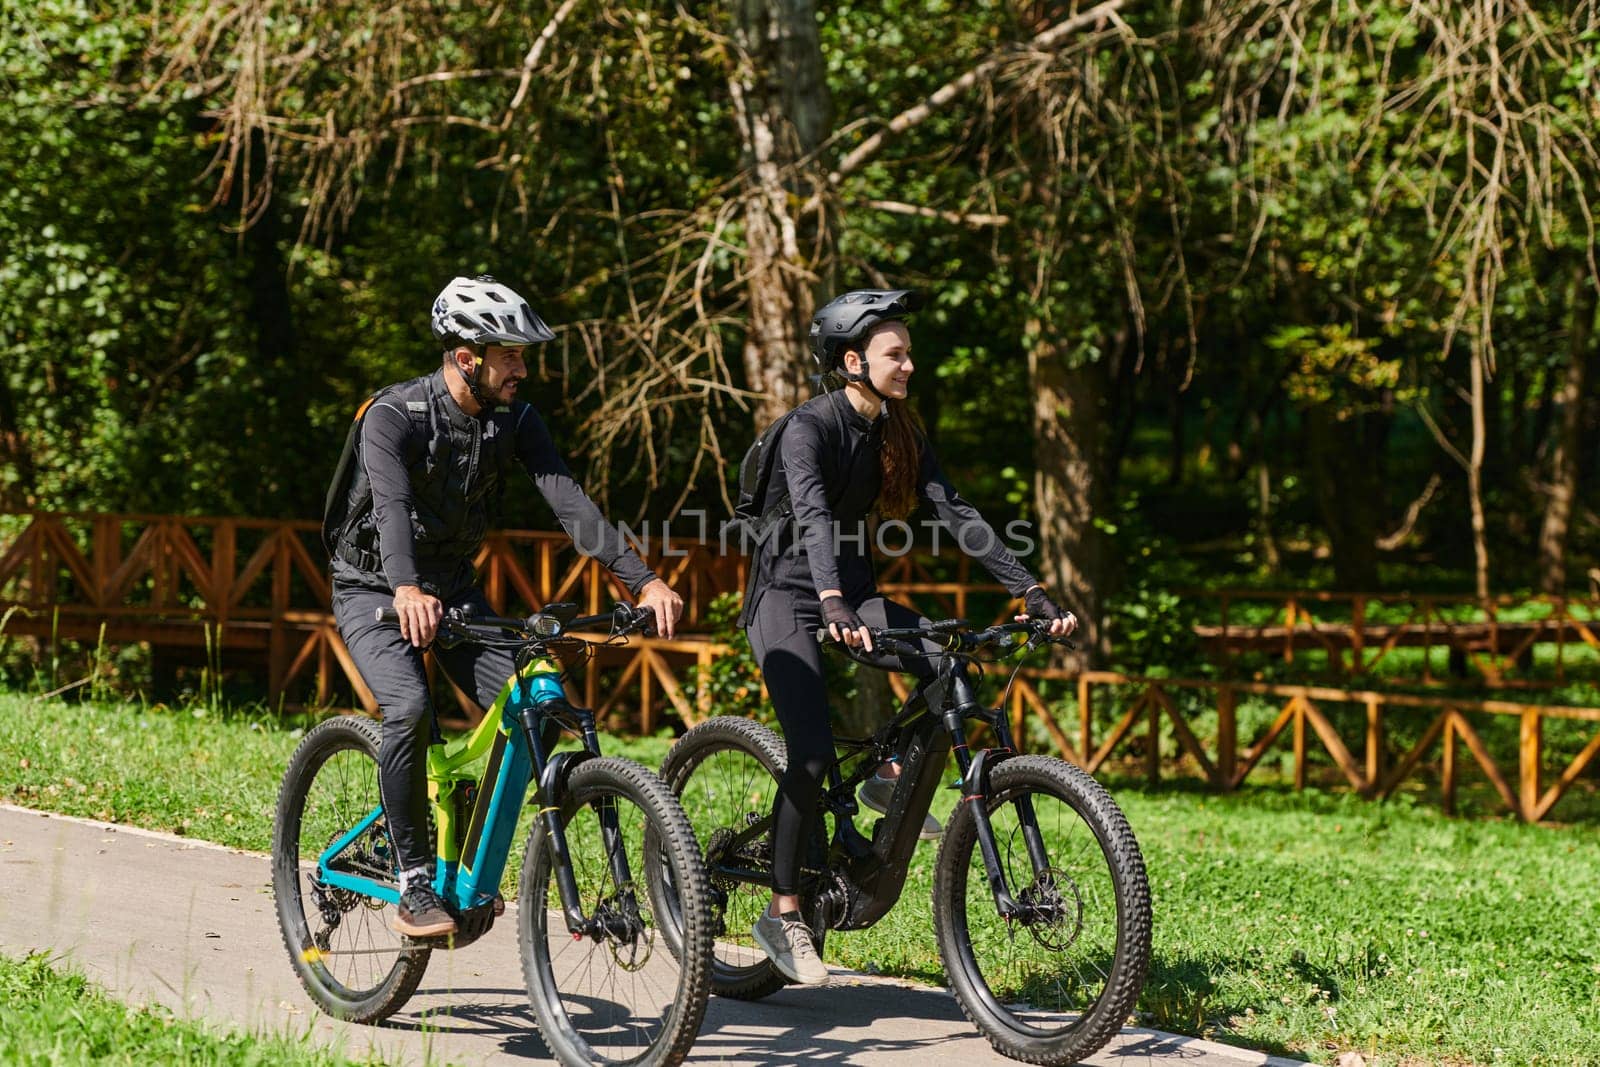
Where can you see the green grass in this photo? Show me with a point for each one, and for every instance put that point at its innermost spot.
(55, 1016)
(1303, 923)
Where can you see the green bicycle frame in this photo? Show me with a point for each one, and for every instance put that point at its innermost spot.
(471, 858)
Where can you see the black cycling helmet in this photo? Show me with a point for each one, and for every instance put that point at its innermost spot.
(848, 317)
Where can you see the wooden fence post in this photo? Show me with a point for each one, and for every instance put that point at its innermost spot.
(1152, 753)
(1530, 755)
(1447, 786)
(1227, 735)
(1299, 743)
(1374, 742)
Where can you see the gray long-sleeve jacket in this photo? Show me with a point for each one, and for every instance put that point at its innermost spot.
(831, 467)
(428, 482)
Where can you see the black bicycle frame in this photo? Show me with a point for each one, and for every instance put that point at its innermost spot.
(875, 869)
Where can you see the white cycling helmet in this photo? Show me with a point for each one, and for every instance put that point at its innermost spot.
(481, 311)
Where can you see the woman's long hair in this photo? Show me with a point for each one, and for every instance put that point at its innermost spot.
(902, 450)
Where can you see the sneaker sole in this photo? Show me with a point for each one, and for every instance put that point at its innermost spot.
(436, 930)
(786, 971)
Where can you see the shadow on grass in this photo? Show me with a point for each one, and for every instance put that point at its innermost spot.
(1181, 995)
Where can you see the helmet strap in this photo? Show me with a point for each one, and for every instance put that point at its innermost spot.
(474, 381)
(862, 377)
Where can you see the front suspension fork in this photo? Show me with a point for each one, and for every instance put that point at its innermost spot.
(549, 795)
(975, 792)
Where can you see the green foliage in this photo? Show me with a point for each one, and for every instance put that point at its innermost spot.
(1150, 619)
(1246, 232)
(733, 679)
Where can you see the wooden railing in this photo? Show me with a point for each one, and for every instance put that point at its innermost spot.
(257, 590)
(1303, 718)
(1370, 627)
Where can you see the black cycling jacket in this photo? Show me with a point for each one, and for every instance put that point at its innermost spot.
(430, 478)
(830, 466)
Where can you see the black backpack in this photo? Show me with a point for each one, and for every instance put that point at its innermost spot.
(336, 505)
(750, 518)
(336, 517)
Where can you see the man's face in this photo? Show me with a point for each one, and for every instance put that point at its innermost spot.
(503, 370)
(888, 359)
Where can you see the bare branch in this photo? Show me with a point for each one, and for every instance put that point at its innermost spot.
(531, 60)
(955, 218)
(914, 116)
(1391, 541)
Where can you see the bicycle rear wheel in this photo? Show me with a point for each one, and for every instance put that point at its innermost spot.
(725, 772)
(352, 965)
(623, 991)
(1055, 983)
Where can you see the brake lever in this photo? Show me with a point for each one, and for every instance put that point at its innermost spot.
(630, 619)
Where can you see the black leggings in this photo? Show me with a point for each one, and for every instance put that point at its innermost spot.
(782, 635)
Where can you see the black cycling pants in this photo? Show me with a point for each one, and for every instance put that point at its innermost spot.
(393, 670)
(783, 637)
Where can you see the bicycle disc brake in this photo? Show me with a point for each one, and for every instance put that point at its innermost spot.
(618, 923)
(1051, 910)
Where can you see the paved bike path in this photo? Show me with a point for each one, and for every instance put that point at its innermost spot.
(157, 918)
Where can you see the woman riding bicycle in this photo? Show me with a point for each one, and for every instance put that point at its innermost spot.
(845, 455)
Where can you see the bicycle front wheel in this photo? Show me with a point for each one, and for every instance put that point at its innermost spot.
(621, 991)
(348, 959)
(1053, 983)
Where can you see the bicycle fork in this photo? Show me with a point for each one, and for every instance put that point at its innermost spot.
(962, 705)
(552, 776)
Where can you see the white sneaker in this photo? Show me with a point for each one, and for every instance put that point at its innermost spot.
(875, 793)
(787, 942)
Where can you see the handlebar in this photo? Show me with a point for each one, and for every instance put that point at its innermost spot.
(619, 621)
(952, 635)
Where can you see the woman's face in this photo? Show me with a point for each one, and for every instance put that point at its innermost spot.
(889, 363)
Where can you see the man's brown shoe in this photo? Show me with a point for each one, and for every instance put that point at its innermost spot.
(423, 914)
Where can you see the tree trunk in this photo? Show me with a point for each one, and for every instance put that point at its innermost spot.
(784, 112)
(1269, 559)
(1347, 480)
(1564, 453)
(1480, 536)
(1070, 487)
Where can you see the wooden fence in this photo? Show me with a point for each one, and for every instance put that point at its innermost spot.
(1359, 633)
(256, 592)
(1303, 719)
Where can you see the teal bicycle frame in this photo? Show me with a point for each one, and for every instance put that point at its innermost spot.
(476, 815)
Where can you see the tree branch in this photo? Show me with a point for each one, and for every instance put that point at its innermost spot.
(955, 218)
(1391, 541)
(914, 116)
(531, 60)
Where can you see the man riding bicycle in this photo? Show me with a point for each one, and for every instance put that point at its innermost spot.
(423, 474)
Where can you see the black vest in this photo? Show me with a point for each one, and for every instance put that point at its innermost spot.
(457, 465)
